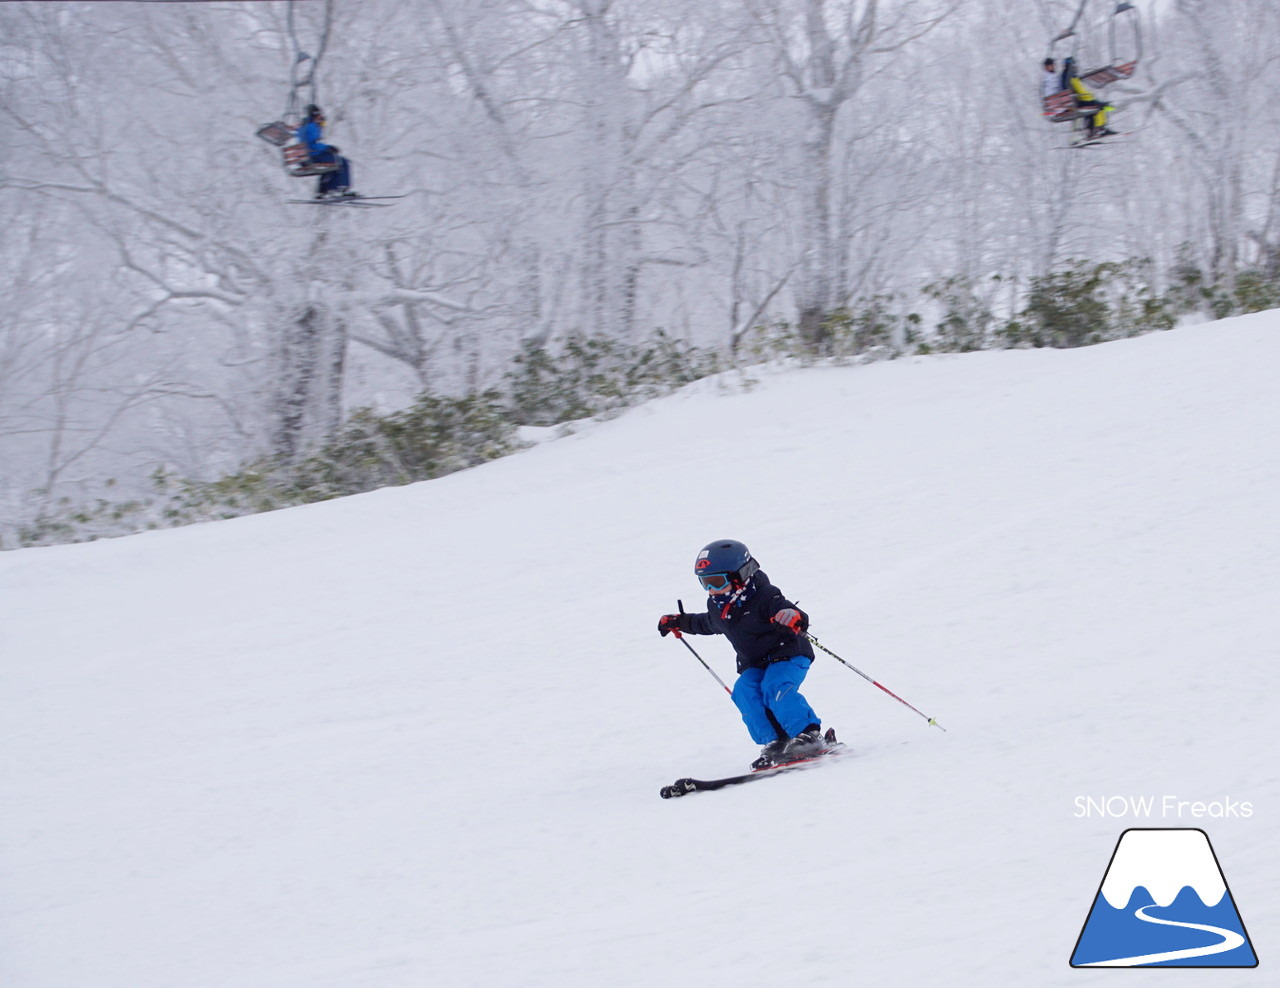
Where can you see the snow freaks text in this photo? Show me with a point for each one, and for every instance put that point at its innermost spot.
(1164, 807)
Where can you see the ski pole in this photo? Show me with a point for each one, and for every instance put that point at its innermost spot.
(932, 722)
(676, 632)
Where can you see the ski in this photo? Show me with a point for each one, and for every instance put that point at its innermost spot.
(682, 787)
(346, 201)
(337, 202)
(1096, 142)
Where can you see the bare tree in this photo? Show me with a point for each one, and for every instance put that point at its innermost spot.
(826, 60)
(1227, 48)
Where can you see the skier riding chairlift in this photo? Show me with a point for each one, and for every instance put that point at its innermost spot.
(1087, 107)
(1068, 97)
(335, 179)
(305, 154)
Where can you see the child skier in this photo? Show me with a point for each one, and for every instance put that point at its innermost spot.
(767, 632)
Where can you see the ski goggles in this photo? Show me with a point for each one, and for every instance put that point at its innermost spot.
(716, 583)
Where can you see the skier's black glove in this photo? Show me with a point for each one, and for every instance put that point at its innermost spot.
(669, 623)
(793, 619)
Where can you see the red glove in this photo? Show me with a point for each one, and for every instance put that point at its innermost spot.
(669, 623)
(791, 619)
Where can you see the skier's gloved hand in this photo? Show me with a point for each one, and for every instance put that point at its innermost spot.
(792, 619)
(669, 623)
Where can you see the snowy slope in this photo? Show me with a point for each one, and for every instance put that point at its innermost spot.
(416, 737)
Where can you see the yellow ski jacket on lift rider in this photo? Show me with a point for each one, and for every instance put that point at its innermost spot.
(1086, 98)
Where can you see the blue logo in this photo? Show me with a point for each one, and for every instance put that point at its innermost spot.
(1164, 902)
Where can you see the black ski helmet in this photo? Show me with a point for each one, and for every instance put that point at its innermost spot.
(723, 564)
(314, 111)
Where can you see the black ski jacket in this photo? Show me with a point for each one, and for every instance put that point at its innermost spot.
(749, 626)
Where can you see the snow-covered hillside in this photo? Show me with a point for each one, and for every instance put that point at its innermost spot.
(416, 737)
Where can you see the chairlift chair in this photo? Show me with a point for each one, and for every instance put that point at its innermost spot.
(297, 162)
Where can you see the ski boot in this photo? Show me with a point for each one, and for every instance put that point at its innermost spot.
(770, 754)
(807, 744)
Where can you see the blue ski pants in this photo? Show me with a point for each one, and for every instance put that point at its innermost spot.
(775, 690)
(340, 179)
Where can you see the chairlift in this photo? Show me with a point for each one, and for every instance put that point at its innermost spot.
(1124, 50)
(283, 132)
(1124, 40)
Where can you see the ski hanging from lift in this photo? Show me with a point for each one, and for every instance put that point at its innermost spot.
(357, 200)
(1095, 142)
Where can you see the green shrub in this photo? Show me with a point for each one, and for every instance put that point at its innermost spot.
(1255, 292)
(588, 376)
(1136, 308)
(967, 319)
(867, 327)
(433, 437)
(774, 341)
(1067, 308)
(1190, 290)
(1087, 303)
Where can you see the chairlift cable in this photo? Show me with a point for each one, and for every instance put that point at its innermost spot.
(1134, 22)
(308, 81)
(1071, 29)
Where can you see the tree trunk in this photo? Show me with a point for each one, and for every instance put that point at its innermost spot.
(816, 293)
(307, 403)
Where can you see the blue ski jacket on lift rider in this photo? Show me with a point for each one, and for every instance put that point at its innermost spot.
(767, 633)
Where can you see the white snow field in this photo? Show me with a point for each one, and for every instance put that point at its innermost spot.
(416, 737)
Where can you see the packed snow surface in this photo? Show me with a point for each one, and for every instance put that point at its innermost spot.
(416, 737)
